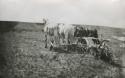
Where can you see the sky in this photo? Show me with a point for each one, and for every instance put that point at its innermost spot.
(91, 12)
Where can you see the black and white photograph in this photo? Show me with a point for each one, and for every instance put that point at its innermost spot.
(62, 38)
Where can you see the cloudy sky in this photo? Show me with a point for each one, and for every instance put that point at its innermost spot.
(93, 12)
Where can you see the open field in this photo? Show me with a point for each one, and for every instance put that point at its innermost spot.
(23, 56)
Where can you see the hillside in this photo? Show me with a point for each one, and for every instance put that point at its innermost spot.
(23, 55)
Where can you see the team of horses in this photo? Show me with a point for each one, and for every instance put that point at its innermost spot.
(69, 39)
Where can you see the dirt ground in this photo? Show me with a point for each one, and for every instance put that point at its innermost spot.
(26, 57)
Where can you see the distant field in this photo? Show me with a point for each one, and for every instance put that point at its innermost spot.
(22, 48)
